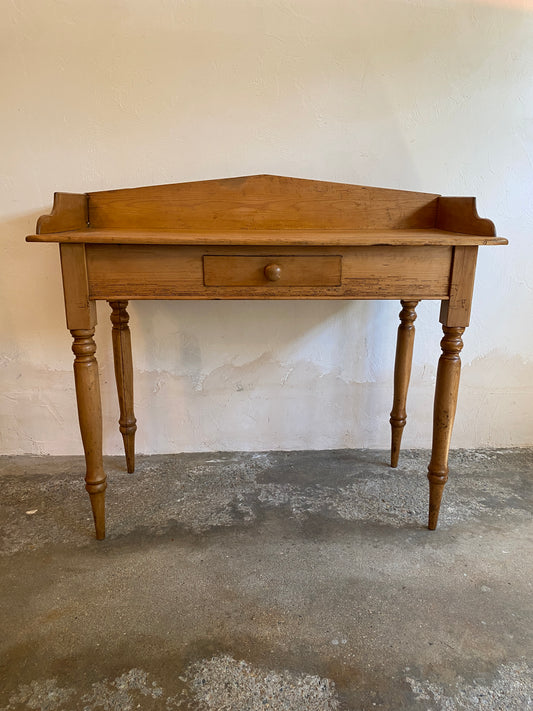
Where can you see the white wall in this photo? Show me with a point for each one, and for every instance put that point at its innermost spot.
(432, 96)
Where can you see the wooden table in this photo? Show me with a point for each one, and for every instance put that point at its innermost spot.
(263, 237)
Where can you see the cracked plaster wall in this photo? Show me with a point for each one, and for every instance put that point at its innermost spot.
(433, 96)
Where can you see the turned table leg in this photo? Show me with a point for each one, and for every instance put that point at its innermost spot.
(402, 374)
(90, 418)
(446, 389)
(124, 377)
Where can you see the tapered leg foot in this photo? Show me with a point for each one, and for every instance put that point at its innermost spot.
(446, 389)
(396, 443)
(402, 374)
(124, 378)
(436, 490)
(128, 440)
(90, 418)
(98, 508)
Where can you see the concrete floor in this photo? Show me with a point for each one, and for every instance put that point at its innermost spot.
(238, 582)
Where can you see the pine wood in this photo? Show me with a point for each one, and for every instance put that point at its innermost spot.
(402, 375)
(264, 237)
(459, 214)
(456, 310)
(90, 418)
(124, 377)
(125, 272)
(262, 270)
(261, 202)
(79, 309)
(445, 404)
(274, 272)
(301, 237)
(70, 212)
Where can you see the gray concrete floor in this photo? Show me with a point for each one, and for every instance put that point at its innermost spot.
(296, 580)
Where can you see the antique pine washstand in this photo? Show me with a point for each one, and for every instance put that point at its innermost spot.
(263, 237)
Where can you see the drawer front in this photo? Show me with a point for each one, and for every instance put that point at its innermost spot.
(272, 270)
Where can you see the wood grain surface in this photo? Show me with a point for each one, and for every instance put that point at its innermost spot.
(123, 272)
(261, 202)
(332, 238)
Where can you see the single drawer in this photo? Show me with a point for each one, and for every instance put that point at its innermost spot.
(272, 269)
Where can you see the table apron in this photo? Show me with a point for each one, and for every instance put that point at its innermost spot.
(122, 271)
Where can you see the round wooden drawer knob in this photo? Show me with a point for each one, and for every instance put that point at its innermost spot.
(272, 272)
